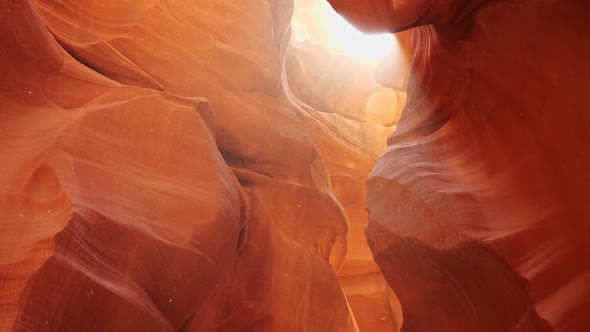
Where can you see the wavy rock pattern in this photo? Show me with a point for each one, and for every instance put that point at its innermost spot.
(158, 178)
(176, 165)
(477, 213)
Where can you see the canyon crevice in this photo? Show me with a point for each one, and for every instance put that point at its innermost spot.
(176, 165)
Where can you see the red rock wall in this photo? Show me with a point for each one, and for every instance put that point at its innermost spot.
(155, 177)
(349, 132)
(173, 165)
(477, 212)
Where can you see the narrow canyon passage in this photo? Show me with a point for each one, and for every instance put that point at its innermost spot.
(260, 165)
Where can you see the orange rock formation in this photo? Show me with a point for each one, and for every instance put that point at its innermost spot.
(157, 174)
(477, 213)
(176, 165)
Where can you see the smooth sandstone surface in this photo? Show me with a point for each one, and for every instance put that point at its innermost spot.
(180, 165)
(477, 212)
(158, 177)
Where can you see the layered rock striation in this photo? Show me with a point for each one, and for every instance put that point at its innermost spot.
(477, 213)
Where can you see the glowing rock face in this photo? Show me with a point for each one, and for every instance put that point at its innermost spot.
(477, 212)
(132, 203)
(157, 176)
(316, 21)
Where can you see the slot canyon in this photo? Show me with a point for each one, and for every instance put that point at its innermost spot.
(295, 165)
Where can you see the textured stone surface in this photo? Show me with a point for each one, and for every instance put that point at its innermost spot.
(180, 165)
(155, 175)
(159, 172)
(477, 213)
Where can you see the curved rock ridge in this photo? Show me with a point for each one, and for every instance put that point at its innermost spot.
(477, 213)
(339, 125)
(156, 177)
(399, 15)
(348, 118)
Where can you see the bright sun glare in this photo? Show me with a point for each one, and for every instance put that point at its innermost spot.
(319, 23)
